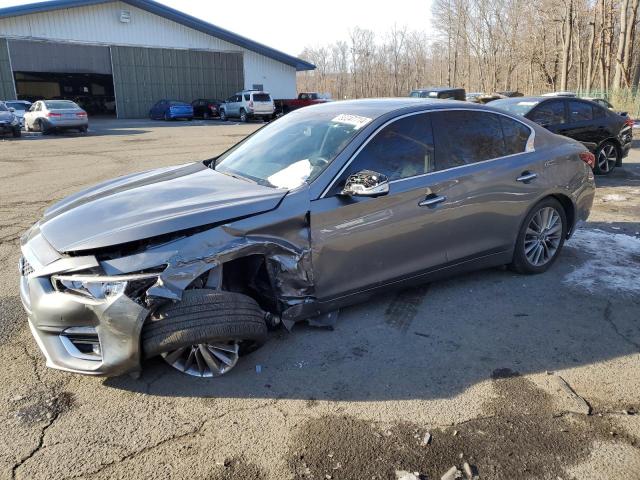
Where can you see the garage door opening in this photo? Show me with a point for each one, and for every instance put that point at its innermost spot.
(93, 92)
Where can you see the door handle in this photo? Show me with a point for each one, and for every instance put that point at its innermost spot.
(526, 177)
(432, 200)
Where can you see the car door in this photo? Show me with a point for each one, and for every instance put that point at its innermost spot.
(551, 114)
(363, 242)
(487, 173)
(581, 126)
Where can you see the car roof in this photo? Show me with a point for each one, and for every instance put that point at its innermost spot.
(376, 107)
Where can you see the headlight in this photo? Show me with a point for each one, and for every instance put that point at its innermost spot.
(100, 287)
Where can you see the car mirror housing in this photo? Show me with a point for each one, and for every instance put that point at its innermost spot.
(366, 183)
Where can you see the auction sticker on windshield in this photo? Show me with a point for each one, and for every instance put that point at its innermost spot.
(356, 120)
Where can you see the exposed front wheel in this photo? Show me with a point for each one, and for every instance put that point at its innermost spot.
(541, 238)
(204, 334)
(607, 157)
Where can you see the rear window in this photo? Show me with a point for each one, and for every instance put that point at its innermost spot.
(17, 106)
(261, 97)
(518, 107)
(60, 105)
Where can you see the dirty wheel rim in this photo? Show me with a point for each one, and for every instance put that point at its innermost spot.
(543, 236)
(607, 158)
(204, 359)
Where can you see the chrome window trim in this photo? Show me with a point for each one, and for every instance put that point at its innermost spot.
(529, 147)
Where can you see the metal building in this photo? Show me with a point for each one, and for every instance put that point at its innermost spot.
(122, 56)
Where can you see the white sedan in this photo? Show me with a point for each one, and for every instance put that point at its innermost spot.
(52, 115)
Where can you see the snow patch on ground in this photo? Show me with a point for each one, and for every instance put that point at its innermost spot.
(614, 197)
(614, 262)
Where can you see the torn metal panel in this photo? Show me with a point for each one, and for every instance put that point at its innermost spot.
(282, 240)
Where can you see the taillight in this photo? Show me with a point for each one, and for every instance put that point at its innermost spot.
(629, 122)
(588, 158)
(81, 114)
(251, 104)
(213, 108)
(54, 115)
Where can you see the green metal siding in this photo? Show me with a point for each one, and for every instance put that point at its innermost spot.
(142, 76)
(7, 87)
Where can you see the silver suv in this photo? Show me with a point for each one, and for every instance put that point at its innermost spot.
(248, 104)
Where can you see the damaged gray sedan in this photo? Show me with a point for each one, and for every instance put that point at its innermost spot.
(322, 208)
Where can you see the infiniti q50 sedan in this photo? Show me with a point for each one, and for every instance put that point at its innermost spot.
(319, 209)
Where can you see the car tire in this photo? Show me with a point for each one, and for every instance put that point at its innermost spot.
(204, 316)
(206, 116)
(223, 115)
(243, 116)
(42, 127)
(17, 133)
(607, 157)
(547, 239)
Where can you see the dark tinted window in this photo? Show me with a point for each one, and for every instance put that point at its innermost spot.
(549, 113)
(580, 111)
(400, 150)
(246, 97)
(515, 135)
(464, 137)
(599, 112)
(261, 97)
(61, 104)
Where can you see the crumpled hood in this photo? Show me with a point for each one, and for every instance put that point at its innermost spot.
(152, 203)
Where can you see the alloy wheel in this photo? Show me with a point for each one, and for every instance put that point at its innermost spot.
(204, 359)
(607, 158)
(543, 236)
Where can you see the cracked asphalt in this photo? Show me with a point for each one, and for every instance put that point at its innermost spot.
(520, 376)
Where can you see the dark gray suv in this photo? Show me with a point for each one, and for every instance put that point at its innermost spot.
(322, 208)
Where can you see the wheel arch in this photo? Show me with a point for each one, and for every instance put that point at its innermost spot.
(569, 210)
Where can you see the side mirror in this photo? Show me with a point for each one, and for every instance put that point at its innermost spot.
(366, 183)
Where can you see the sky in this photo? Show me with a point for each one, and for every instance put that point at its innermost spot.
(288, 27)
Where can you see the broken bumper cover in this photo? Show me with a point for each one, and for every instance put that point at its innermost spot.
(81, 334)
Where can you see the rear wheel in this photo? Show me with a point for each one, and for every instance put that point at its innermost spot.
(607, 156)
(223, 115)
(42, 127)
(206, 115)
(541, 238)
(243, 115)
(204, 334)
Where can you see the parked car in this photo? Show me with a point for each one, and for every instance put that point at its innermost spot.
(304, 99)
(206, 108)
(511, 93)
(324, 207)
(247, 105)
(9, 122)
(171, 110)
(442, 93)
(602, 131)
(54, 115)
(20, 107)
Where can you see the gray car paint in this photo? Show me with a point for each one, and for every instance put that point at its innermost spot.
(323, 251)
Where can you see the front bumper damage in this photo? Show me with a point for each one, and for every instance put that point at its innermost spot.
(55, 317)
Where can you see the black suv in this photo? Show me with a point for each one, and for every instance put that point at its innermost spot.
(607, 134)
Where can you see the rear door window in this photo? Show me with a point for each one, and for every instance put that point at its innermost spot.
(400, 150)
(261, 97)
(580, 112)
(247, 96)
(463, 137)
(549, 113)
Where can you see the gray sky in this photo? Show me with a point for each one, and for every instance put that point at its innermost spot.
(287, 26)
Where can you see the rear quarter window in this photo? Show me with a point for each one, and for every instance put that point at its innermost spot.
(515, 134)
(580, 111)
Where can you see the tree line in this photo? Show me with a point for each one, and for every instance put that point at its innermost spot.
(531, 46)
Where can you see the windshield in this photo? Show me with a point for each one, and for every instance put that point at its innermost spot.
(3, 107)
(515, 105)
(17, 105)
(292, 150)
(61, 105)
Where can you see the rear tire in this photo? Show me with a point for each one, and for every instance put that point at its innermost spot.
(544, 230)
(42, 127)
(206, 116)
(223, 115)
(205, 316)
(607, 157)
(243, 116)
